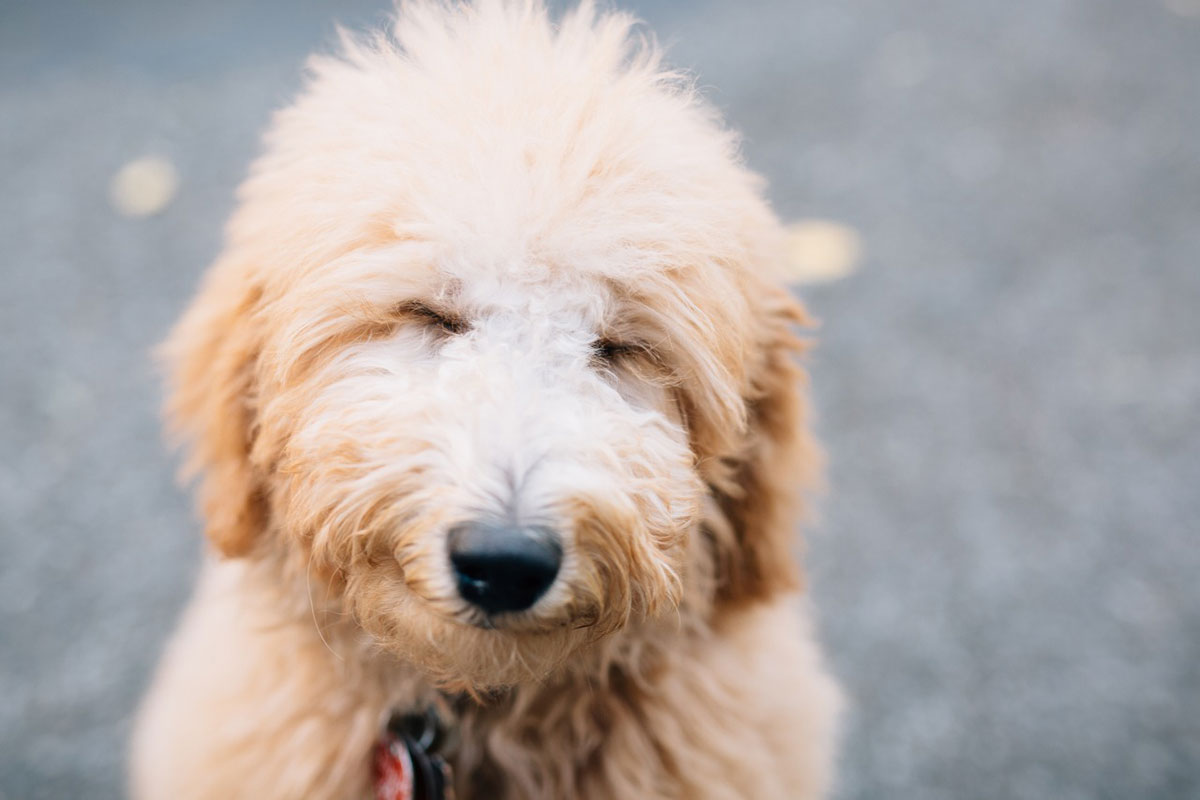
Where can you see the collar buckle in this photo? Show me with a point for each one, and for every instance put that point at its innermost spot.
(406, 764)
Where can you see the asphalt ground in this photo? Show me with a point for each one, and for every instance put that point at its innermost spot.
(1008, 380)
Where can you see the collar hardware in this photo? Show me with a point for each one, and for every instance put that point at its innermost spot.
(406, 765)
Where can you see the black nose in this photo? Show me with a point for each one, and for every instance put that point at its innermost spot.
(503, 567)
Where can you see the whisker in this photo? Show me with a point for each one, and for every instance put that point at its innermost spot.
(312, 607)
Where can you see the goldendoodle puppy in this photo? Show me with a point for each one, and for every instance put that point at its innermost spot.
(493, 401)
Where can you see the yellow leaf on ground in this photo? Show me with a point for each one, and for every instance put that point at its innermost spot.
(143, 187)
(820, 251)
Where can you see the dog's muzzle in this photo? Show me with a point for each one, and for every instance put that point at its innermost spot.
(503, 567)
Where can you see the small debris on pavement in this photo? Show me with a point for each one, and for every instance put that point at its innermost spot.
(820, 251)
(143, 187)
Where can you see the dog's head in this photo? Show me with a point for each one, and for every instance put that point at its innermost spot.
(493, 349)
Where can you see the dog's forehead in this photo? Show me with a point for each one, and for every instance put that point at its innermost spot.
(499, 231)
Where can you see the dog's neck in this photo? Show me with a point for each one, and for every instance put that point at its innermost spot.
(601, 683)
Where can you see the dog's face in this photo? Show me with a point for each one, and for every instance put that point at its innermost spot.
(484, 450)
(500, 368)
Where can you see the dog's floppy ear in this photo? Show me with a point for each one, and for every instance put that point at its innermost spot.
(752, 516)
(211, 357)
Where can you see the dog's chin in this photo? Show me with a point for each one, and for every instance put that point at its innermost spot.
(473, 658)
(476, 655)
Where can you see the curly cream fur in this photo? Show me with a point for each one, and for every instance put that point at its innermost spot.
(545, 186)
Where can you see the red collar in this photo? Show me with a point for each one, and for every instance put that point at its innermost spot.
(393, 770)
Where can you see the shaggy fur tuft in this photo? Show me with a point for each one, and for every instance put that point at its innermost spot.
(494, 266)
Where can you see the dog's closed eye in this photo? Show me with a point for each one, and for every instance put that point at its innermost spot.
(608, 351)
(443, 321)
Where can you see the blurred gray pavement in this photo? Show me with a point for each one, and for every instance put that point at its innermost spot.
(1006, 564)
